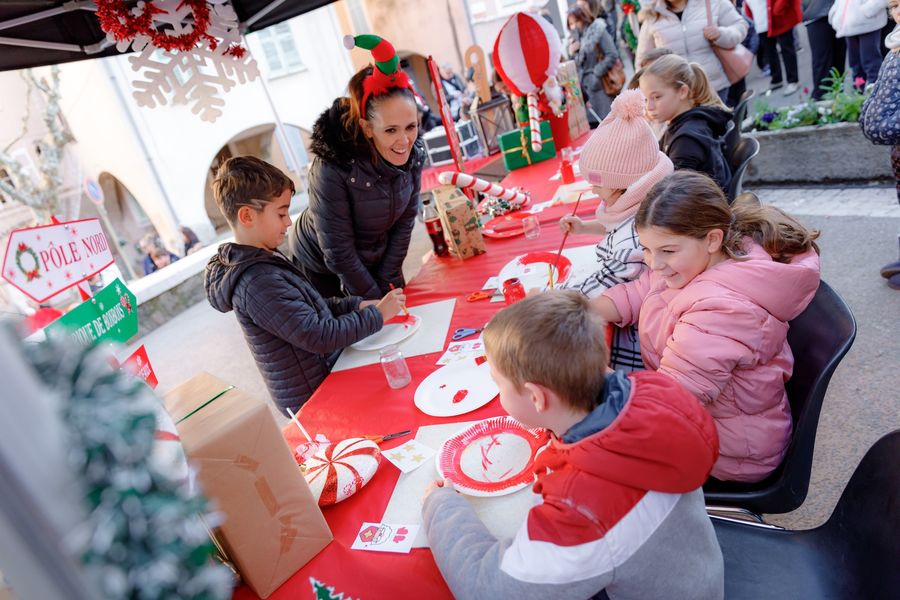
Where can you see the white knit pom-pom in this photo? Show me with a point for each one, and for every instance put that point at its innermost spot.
(628, 105)
(349, 42)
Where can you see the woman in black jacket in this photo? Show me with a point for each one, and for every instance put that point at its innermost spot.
(363, 183)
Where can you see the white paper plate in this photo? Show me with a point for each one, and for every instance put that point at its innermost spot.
(533, 269)
(492, 457)
(391, 333)
(466, 382)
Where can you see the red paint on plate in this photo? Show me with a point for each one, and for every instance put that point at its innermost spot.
(460, 396)
(487, 435)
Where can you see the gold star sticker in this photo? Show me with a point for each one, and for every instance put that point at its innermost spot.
(417, 458)
(397, 456)
(409, 447)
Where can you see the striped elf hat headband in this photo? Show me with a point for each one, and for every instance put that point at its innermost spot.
(386, 74)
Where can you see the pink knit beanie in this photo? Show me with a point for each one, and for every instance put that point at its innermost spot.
(623, 154)
(623, 147)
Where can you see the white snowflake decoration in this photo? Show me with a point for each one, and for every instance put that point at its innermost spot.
(205, 74)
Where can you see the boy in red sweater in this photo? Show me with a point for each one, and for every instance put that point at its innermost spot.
(620, 506)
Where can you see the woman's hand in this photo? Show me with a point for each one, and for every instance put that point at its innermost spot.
(571, 224)
(711, 33)
(392, 303)
(437, 483)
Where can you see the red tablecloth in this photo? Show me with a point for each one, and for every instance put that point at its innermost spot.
(359, 402)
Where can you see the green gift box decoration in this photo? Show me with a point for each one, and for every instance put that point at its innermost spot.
(516, 147)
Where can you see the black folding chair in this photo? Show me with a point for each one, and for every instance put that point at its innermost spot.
(855, 554)
(819, 338)
(733, 135)
(747, 149)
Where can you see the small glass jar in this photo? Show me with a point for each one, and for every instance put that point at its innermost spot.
(513, 291)
(394, 366)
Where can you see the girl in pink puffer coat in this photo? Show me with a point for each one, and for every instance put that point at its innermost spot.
(713, 310)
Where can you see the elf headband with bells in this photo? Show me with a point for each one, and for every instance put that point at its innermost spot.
(386, 74)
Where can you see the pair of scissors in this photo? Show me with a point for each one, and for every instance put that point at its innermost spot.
(480, 295)
(383, 438)
(464, 332)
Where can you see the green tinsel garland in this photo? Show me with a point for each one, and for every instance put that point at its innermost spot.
(627, 32)
(144, 537)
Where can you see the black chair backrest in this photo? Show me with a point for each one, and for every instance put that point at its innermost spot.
(746, 151)
(819, 338)
(867, 518)
(740, 111)
(730, 141)
(733, 134)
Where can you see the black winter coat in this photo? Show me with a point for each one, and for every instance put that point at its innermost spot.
(361, 213)
(694, 140)
(294, 334)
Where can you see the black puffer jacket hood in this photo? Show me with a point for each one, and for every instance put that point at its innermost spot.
(294, 334)
(694, 140)
(361, 212)
(693, 121)
(330, 141)
(224, 271)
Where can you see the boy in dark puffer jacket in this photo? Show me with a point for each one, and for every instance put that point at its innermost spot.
(294, 334)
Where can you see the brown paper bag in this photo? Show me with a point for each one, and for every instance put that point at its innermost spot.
(462, 228)
(273, 525)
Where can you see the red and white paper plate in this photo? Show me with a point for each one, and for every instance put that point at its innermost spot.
(533, 269)
(505, 226)
(493, 457)
(339, 470)
(394, 331)
(456, 389)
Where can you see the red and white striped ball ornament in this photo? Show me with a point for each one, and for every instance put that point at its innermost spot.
(339, 470)
(526, 53)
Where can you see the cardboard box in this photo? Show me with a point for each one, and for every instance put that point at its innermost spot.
(516, 147)
(273, 525)
(578, 120)
(462, 228)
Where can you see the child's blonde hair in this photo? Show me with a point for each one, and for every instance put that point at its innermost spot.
(691, 204)
(552, 339)
(674, 71)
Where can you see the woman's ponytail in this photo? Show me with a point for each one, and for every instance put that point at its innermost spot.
(780, 234)
(702, 92)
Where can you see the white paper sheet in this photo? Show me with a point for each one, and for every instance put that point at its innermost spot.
(503, 515)
(429, 338)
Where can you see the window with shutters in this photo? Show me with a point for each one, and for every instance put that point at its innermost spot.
(280, 51)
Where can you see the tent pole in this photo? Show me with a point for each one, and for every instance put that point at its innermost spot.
(294, 162)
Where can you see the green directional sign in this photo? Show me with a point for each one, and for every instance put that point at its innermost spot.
(110, 316)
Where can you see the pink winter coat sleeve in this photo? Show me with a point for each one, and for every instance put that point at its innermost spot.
(628, 298)
(710, 341)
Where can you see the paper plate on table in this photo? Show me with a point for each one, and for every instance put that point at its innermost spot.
(456, 389)
(339, 470)
(533, 269)
(505, 226)
(493, 457)
(394, 331)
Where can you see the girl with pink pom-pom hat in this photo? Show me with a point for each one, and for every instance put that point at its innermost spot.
(622, 161)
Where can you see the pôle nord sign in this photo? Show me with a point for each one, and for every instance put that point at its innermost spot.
(43, 261)
(111, 315)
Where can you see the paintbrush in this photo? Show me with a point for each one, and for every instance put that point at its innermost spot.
(406, 317)
(563, 243)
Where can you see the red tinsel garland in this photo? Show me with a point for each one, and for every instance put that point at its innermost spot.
(117, 20)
